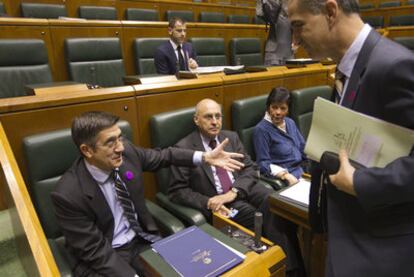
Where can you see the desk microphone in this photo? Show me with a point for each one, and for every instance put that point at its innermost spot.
(258, 223)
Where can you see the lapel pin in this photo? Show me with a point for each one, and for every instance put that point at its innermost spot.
(129, 175)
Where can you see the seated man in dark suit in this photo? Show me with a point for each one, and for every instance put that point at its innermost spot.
(99, 201)
(210, 189)
(175, 54)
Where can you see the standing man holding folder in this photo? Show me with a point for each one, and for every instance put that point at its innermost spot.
(175, 54)
(367, 213)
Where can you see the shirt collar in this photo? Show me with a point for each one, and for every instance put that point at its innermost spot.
(349, 59)
(206, 140)
(101, 176)
(174, 45)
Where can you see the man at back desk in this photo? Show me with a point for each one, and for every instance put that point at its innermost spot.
(175, 54)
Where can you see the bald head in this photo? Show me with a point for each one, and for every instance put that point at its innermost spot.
(207, 117)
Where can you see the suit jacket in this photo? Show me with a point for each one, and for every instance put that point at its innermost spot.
(86, 219)
(194, 186)
(372, 234)
(165, 58)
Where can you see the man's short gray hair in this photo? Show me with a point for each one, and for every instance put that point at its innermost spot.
(318, 6)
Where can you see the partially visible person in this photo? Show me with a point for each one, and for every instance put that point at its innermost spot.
(99, 201)
(279, 39)
(175, 54)
(209, 189)
(277, 141)
(366, 212)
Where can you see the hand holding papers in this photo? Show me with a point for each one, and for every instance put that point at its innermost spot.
(368, 141)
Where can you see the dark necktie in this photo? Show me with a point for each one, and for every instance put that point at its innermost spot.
(180, 58)
(129, 209)
(339, 85)
(222, 174)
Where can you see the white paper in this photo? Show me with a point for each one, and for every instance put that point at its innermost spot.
(214, 69)
(368, 140)
(298, 192)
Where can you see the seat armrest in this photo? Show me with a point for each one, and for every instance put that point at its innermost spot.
(187, 215)
(167, 223)
(275, 183)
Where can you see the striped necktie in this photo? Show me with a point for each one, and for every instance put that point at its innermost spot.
(339, 85)
(222, 174)
(181, 60)
(129, 209)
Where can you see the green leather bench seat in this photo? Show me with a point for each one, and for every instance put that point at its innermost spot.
(212, 17)
(37, 10)
(142, 14)
(405, 41)
(97, 12)
(375, 21)
(96, 61)
(177, 124)
(402, 20)
(389, 4)
(188, 16)
(22, 62)
(238, 19)
(210, 51)
(144, 54)
(245, 51)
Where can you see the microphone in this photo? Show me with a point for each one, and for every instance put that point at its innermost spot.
(258, 223)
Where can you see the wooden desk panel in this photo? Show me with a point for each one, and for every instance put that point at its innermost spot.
(406, 31)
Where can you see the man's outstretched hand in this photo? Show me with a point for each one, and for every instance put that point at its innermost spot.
(227, 160)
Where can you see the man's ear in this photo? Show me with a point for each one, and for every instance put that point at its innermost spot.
(332, 9)
(86, 150)
(170, 30)
(195, 119)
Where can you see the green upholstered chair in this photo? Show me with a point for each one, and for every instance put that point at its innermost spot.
(238, 19)
(402, 20)
(301, 105)
(37, 10)
(409, 2)
(245, 51)
(210, 51)
(22, 62)
(144, 54)
(258, 20)
(212, 17)
(366, 6)
(405, 41)
(389, 4)
(2, 9)
(142, 14)
(375, 21)
(96, 61)
(177, 124)
(186, 15)
(245, 114)
(48, 156)
(97, 12)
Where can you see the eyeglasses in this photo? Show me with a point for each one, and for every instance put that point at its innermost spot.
(113, 142)
(212, 116)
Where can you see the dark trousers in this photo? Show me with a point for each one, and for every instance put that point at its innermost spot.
(130, 251)
(277, 229)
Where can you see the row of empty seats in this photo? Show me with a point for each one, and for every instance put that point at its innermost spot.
(99, 61)
(387, 4)
(36, 10)
(396, 20)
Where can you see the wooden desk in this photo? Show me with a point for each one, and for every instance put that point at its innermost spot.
(313, 245)
(269, 263)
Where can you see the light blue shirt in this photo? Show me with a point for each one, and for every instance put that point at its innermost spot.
(348, 61)
(217, 182)
(122, 231)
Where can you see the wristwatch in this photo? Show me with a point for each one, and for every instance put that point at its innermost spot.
(236, 191)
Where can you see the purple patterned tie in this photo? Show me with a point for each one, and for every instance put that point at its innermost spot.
(222, 174)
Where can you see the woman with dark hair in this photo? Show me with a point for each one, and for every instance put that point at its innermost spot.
(278, 142)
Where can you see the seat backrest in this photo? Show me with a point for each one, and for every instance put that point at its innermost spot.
(144, 54)
(22, 62)
(389, 4)
(366, 6)
(374, 21)
(238, 19)
(210, 51)
(405, 41)
(177, 124)
(96, 61)
(212, 17)
(245, 51)
(37, 10)
(48, 156)
(245, 114)
(2, 9)
(402, 20)
(97, 12)
(409, 2)
(301, 105)
(142, 14)
(186, 15)
(258, 20)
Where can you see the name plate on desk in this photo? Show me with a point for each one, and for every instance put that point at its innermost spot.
(192, 252)
(54, 88)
